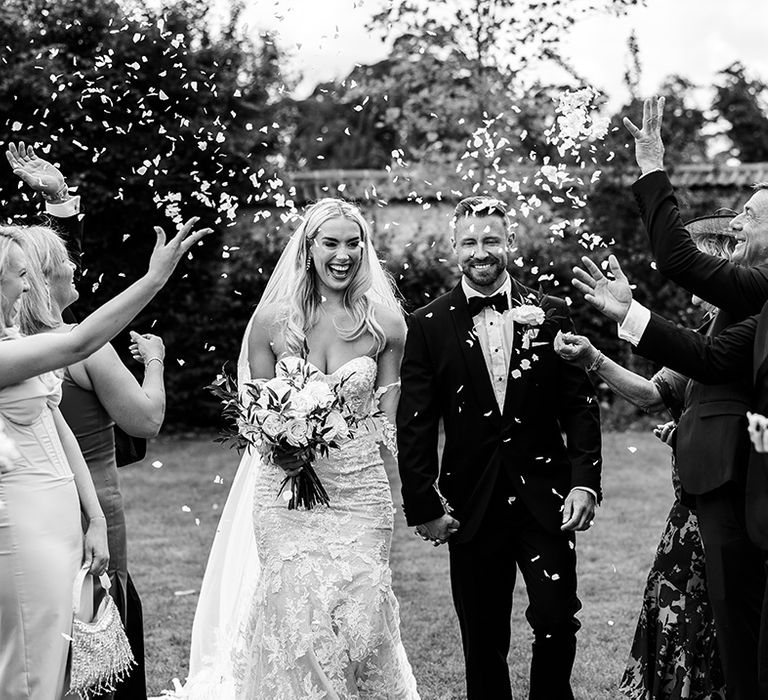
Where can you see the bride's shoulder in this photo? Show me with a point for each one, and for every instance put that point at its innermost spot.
(391, 321)
(265, 325)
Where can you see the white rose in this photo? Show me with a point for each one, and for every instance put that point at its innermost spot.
(528, 315)
(335, 427)
(301, 403)
(319, 393)
(297, 432)
(272, 426)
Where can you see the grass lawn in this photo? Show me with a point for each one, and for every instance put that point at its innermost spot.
(173, 510)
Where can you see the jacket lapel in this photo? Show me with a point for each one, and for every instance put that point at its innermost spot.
(473, 354)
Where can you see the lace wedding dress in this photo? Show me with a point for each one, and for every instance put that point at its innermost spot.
(320, 620)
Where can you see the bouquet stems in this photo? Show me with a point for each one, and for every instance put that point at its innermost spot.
(306, 489)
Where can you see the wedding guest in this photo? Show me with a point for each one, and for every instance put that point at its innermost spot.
(43, 490)
(98, 393)
(713, 447)
(674, 652)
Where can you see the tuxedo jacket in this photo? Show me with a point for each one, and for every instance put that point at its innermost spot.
(712, 442)
(445, 378)
(739, 353)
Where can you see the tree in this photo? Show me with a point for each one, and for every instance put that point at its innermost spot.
(156, 119)
(742, 101)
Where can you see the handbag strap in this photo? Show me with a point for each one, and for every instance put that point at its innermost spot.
(83, 588)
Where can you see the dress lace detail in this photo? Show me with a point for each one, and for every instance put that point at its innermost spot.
(323, 621)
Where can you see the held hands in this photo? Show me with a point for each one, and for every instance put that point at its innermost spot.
(293, 461)
(758, 431)
(438, 531)
(95, 549)
(649, 148)
(147, 347)
(575, 348)
(41, 175)
(578, 511)
(166, 255)
(612, 297)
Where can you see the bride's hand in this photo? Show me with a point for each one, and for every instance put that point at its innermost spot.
(291, 462)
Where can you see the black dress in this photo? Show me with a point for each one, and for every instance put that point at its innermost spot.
(674, 654)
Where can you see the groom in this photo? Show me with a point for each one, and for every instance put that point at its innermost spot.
(509, 492)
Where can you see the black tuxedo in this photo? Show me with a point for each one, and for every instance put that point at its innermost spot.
(712, 452)
(504, 476)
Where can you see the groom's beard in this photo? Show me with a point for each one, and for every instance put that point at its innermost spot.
(485, 273)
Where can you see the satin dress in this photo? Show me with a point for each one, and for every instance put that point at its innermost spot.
(40, 545)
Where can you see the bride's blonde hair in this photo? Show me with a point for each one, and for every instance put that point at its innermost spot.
(301, 297)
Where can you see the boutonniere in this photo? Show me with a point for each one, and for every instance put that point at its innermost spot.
(533, 316)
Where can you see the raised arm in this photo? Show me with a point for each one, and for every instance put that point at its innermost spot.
(739, 289)
(30, 356)
(44, 178)
(138, 409)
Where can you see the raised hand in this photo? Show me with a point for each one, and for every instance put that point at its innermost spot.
(649, 148)
(41, 175)
(575, 348)
(611, 297)
(166, 255)
(146, 347)
(438, 531)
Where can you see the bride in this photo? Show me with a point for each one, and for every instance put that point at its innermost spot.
(299, 603)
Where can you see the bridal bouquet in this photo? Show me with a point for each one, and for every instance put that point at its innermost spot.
(294, 414)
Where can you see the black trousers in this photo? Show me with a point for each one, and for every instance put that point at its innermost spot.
(483, 573)
(736, 580)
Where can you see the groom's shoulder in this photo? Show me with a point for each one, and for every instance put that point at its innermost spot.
(439, 307)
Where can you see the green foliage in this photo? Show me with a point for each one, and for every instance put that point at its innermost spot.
(741, 100)
(156, 120)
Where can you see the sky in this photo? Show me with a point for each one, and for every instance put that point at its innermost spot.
(693, 38)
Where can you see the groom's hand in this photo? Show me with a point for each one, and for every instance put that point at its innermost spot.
(579, 510)
(438, 531)
(649, 148)
(612, 297)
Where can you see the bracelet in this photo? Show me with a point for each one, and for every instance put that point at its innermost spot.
(60, 195)
(597, 363)
(153, 359)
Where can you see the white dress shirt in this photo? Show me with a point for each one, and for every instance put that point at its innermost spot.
(635, 322)
(63, 210)
(495, 332)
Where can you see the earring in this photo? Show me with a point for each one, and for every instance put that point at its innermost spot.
(309, 263)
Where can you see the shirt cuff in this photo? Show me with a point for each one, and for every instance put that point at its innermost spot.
(635, 323)
(587, 489)
(655, 170)
(63, 210)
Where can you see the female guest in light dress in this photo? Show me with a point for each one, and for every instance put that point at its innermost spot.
(98, 393)
(43, 490)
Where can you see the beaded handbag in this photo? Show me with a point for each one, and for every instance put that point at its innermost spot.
(101, 654)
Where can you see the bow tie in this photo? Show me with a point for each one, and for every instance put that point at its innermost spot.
(497, 301)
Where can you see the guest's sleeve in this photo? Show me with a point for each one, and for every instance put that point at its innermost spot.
(735, 288)
(723, 358)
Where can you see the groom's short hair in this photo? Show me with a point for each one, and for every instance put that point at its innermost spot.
(480, 206)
